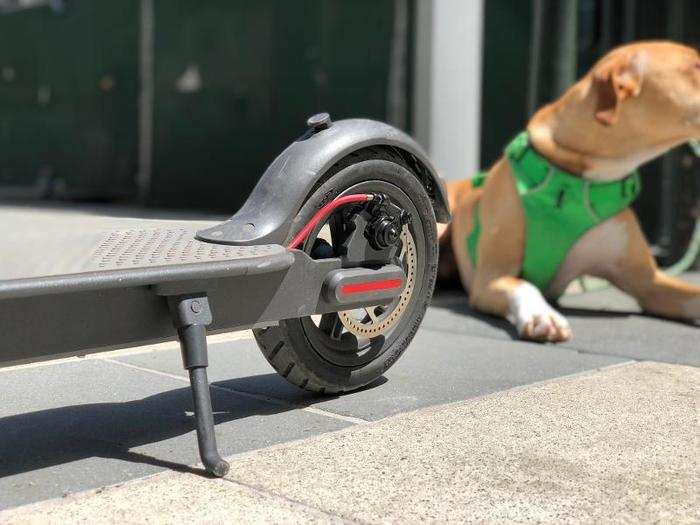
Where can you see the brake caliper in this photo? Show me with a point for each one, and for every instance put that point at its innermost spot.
(384, 229)
(375, 233)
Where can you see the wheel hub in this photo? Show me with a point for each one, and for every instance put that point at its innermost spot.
(373, 321)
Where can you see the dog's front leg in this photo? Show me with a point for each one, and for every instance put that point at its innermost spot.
(637, 274)
(495, 287)
(524, 306)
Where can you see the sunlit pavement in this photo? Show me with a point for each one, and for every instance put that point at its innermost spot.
(468, 425)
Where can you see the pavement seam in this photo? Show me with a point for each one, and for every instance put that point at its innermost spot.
(367, 423)
(438, 407)
(363, 422)
(259, 397)
(434, 408)
(252, 453)
(36, 505)
(214, 338)
(14, 512)
(260, 491)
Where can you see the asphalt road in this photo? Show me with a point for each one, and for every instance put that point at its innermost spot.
(82, 424)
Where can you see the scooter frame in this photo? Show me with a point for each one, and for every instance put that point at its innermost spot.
(232, 276)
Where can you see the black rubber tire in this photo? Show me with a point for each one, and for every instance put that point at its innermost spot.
(287, 347)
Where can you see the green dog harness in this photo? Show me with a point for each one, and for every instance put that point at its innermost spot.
(559, 208)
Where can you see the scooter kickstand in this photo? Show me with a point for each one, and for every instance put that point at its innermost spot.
(191, 315)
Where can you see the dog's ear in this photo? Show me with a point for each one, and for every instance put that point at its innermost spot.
(615, 81)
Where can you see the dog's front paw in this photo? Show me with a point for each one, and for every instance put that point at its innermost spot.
(534, 318)
(551, 327)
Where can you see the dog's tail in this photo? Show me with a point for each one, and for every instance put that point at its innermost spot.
(456, 190)
(448, 276)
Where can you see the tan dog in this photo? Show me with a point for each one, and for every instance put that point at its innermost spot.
(636, 103)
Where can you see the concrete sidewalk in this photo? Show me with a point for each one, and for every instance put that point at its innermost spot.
(615, 443)
(618, 445)
(77, 424)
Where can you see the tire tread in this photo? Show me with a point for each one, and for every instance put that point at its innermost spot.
(275, 343)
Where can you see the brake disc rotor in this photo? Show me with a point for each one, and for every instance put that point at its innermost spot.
(372, 321)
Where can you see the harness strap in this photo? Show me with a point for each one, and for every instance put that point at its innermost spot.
(559, 208)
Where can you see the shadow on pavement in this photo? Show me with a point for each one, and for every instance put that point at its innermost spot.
(457, 302)
(460, 306)
(45, 438)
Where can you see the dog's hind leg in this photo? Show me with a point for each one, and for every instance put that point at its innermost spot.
(671, 297)
(636, 273)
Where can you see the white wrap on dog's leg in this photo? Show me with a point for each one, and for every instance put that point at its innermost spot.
(530, 313)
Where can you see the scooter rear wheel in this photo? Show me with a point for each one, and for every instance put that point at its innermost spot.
(343, 351)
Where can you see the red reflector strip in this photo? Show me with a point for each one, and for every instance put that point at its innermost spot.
(370, 286)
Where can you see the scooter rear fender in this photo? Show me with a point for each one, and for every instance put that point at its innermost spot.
(267, 215)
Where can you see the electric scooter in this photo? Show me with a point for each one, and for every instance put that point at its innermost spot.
(331, 261)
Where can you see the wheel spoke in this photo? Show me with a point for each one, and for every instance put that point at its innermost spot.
(370, 311)
(335, 224)
(331, 325)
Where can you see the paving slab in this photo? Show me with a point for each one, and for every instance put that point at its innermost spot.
(80, 425)
(437, 368)
(617, 446)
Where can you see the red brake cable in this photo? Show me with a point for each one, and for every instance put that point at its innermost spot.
(324, 212)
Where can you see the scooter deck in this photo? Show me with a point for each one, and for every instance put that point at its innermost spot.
(67, 291)
(121, 258)
(70, 293)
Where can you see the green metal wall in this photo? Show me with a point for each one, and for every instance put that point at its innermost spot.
(68, 99)
(506, 68)
(264, 66)
(234, 83)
